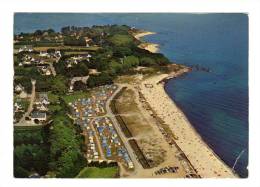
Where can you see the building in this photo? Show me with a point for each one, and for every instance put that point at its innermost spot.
(42, 107)
(41, 116)
(43, 54)
(43, 98)
(88, 41)
(19, 88)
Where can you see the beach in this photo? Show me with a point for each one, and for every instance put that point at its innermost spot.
(141, 34)
(202, 158)
(152, 47)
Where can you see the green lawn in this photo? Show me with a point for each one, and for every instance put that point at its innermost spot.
(94, 172)
(74, 96)
(70, 48)
(121, 39)
(29, 128)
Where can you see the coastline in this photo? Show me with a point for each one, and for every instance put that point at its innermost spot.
(152, 47)
(200, 155)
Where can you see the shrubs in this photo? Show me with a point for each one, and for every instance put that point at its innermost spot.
(102, 79)
(147, 61)
(72, 41)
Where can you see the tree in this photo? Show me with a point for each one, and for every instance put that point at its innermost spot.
(38, 33)
(102, 79)
(79, 85)
(70, 163)
(130, 61)
(66, 158)
(116, 67)
(121, 51)
(50, 50)
(72, 41)
(77, 70)
(147, 61)
(28, 157)
(58, 84)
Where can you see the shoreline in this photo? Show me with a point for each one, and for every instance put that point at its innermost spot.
(152, 47)
(198, 152)
(141, 34)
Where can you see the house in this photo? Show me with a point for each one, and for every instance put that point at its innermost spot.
(17, 107)
(45, 70)
(48, 72)
(41, 116)
(19, 88)
(57, 54)
(87, 40)
(94, 72)
(27, 62)
(25, 48)
(43, 54)
(42, 107)
(43, 97)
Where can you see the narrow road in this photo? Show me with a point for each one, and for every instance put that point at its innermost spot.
(30, 108)
(102, 156)
(52, 69)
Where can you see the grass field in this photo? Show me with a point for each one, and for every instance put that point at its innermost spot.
(135, 122)
(75, 52)
(71, 48)
(121, 39)
(94, 172)
(75, 95)
(27, 128)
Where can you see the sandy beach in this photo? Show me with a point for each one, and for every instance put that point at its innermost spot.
(152, 47)
(203, 159)
(141, 34)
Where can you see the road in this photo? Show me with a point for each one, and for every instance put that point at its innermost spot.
(22, 121)
(102, 156)
(52, 69)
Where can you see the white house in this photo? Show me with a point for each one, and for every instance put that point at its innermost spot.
(42, 107)
(57, 54)
(19, 88)
(48, 72)
(43, 54)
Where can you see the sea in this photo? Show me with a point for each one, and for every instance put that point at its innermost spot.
(216, 100)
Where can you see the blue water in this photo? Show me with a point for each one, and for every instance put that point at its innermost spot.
(216, 103)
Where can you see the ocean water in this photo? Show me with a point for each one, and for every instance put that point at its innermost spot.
(215, 102)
